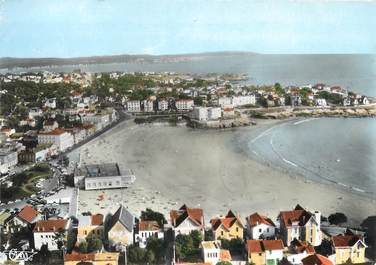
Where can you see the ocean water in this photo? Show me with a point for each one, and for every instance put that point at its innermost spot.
(338, 151)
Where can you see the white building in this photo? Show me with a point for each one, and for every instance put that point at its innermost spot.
(8, 159)
(45, 233)
(185, 220)
(236, 101)
(147, 229)
(260, 227)
(58, 137)
(148, 105)
(103, 176)
(184, 104)
(50, 103)
(211, 251)
(35, 112)
(321, 102)
(134, 106)
(298, 251)
(163, 105)
(206, 113)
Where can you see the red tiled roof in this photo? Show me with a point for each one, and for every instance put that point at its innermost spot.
(50, 225)
(97, 219)
(28, 214)
(195, 214)
(316, 259)
(148, 226)
(300, 216)
(262, 245)
(255, 219)
(227, 221)
(56, 131)
(300, 247)
(79, 257)
(345, 240)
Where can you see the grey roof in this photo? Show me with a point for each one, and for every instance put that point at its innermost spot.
(126, 218)
(98, 170)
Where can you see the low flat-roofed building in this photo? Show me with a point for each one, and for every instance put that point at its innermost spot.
(103, 176)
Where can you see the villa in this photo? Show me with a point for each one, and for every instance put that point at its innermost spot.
(349, 247)
(259, 226)
(265, 252)
(227, 227)
(185, 220)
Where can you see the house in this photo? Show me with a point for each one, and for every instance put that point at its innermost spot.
(90, 226)
(316, 259)
(147, 229)
(121, 228)
(227, 227)
(349, 247)
(346, 101)
(212, 253)
(37, 154)
(61, 139)
(206, 113)
(101, 258)
(185, 220)
(298, 250)
(5, 218)
(148, 105)
(184, 104)
(50, 103)
(46, 232)
(300, 224)
(50, 125)
(260, 227)
(27, 216)
(265, 252)
(134, 106)
(364, 100)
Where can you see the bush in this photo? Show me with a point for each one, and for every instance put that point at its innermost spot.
(83, 247)
(337, 218)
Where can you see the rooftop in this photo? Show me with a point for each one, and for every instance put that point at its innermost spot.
(98, 170)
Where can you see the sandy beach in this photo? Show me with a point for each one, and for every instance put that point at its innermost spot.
(205, 168)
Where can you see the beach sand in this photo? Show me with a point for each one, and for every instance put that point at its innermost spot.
(205, 168)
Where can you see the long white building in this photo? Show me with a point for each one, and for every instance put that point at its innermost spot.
(58, 137)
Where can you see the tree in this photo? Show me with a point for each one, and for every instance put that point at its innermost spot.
(136, 254)
(149, 256)
(196, 238)
(83, 247)
(150, 215)
(209, 235)
(94, 244)
(337, 218)
(71, 240)
(325, 248)
(224, 263)
(158, 247)
(278, 89)
(235, 245)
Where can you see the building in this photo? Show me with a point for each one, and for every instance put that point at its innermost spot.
(184, 104)
(8, 159)
(61, 139)
(320, 102)
(237, 101)
(45, 233)
(147, 229)
(50, 125)
(100, 258)
(210, 251)
(260, 227)
(148, 105)
(103, 176)
(185, 220)
(121, 228)
(27, 216)
(265, 252)
(162, 105)
(50, 103)
(349, 247)
(301, 225)
(134, 106)
(316, 259)
(37, 154)
(298, 250)
(227, 227)
(35, 112)
(206, 113)
(90, 226)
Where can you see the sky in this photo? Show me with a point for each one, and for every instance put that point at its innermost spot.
(72, 28)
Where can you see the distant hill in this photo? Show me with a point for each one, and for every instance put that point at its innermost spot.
(9, 62)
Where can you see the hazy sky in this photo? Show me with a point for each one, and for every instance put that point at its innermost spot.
(69, 28)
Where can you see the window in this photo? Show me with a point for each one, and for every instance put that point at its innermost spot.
(267, 230)
(221, 233)
(260, 230)
(237, 229)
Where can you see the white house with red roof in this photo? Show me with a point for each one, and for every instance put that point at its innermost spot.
(27, 216)
(46, 232)
(185, 220)
(262, 252)
(58, 137)
(259, 226)
(298, 250)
